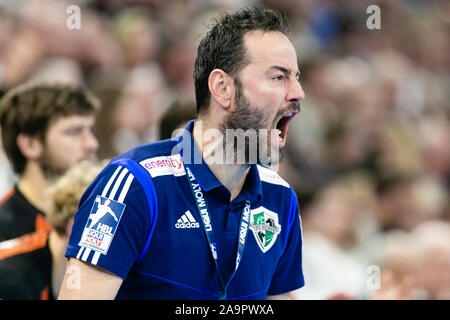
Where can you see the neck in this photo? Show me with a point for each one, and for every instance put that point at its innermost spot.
(32, 184)
(233, 175)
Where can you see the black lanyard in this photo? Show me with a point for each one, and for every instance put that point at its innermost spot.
(202, 207)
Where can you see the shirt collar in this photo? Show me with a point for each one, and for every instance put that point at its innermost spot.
(191, 156)
(252, 189)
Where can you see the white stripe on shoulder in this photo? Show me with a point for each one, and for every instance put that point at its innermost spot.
(80, 252)
(270, 176)
(95, 258)
(117, 184)
(125, 188)
(108, 185)
(86, 253)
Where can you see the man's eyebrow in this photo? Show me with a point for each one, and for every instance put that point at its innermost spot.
(285, 70)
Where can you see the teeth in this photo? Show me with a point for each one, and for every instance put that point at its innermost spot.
(279, 136)
(278, 131)
(288, 115)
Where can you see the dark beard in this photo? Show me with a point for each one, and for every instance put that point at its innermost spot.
(50, 172)
(244, 118)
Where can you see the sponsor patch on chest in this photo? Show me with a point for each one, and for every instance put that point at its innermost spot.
(265, 227)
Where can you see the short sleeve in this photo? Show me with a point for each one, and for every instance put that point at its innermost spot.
(288, 274)
(112, 223)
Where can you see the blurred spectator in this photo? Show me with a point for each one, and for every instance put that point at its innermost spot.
(434, 136)
(433, 260)
(416, 265)
(64, 195)
(61, 70)
(140, 107)
(23, 53)
(137, 35)
(407, 203)
(46, 129)
(396, 260)
(331, 262)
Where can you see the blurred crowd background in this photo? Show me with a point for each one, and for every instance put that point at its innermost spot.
(368, 155)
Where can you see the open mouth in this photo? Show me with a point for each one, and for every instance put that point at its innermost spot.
(282, 125)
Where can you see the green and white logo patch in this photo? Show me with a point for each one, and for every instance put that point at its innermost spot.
(265, 227)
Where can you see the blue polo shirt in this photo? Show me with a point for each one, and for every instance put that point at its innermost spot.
(139, 220)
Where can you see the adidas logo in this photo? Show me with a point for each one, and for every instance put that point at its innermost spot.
(187, 221)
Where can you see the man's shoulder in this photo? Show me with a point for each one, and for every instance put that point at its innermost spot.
(16, 213)
(19, 217)
(271, 178)
(161, 158)
(7, 204)
(8, 218)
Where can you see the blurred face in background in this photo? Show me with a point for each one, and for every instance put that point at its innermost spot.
(433, 272)
(332, 215)
(68, 140)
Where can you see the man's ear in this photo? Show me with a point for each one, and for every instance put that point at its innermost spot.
(221, 88)
(30, 146)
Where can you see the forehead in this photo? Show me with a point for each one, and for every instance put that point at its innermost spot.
(269, 49)
(63, 122)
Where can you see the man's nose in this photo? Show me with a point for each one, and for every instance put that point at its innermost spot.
(91, 143)
(296, 92)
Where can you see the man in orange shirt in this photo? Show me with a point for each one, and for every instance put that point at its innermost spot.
(46, 129)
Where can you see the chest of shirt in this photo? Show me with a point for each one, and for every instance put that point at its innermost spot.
(179, 242)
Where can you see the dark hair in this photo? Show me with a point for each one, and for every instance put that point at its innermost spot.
(179, 112)
(223, 46)
(30, 109)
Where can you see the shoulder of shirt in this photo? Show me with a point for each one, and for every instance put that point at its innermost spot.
(17, 215)
(161, 158)
(270, 176)
(13, 203)
(157, 159)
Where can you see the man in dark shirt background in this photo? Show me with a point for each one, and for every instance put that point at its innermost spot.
(46, 129)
